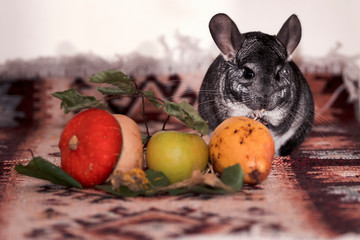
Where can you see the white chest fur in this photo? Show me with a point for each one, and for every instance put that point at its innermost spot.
(274, 117)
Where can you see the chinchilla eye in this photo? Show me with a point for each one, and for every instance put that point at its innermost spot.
(285, 71)
(248, 73)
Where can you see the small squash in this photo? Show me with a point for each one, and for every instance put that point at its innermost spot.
(129, 168)
(90, 145)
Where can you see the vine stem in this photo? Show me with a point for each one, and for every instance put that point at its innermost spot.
(166, 120)
(145, 120)
(31, 152)
(143, 112)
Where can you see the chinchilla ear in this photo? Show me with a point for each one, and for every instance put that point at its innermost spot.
(226, 35)
(290, 34)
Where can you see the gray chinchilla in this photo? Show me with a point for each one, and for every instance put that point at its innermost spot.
(255, 77)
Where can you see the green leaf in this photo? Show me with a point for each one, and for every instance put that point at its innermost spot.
(42, 169)
(153, 99)
(233, 176)
(204, 189)
(144, 138)
(115, 78)
(187, 114)
(72, 100)
(122, 191)
(179, 191)
(157, 179)
(113, 91)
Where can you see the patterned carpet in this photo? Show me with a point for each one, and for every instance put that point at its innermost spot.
(312, 194)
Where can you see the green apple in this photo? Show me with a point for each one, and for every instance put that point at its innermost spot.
(176, 154)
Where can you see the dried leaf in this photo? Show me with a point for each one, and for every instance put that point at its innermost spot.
(203, 183)
(135, 183)
(213, 181)
(200, 183)
(135, 180)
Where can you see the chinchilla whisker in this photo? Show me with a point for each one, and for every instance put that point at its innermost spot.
(298, 113)
(314, 127)
(323, 119)
(206, 110)
(207, 102)
(183, 93)
(208, 91)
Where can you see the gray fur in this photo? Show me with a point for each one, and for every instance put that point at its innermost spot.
(254, 73)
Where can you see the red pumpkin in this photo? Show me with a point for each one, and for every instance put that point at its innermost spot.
(90, 145)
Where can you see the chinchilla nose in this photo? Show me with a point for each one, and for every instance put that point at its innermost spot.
(264, 85)
(266, 91)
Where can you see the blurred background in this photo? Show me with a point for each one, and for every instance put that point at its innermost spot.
(37, 28)
(48, 46)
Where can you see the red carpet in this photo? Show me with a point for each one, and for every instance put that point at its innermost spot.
(312, 194)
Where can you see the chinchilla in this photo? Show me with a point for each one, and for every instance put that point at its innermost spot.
(255, 77)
